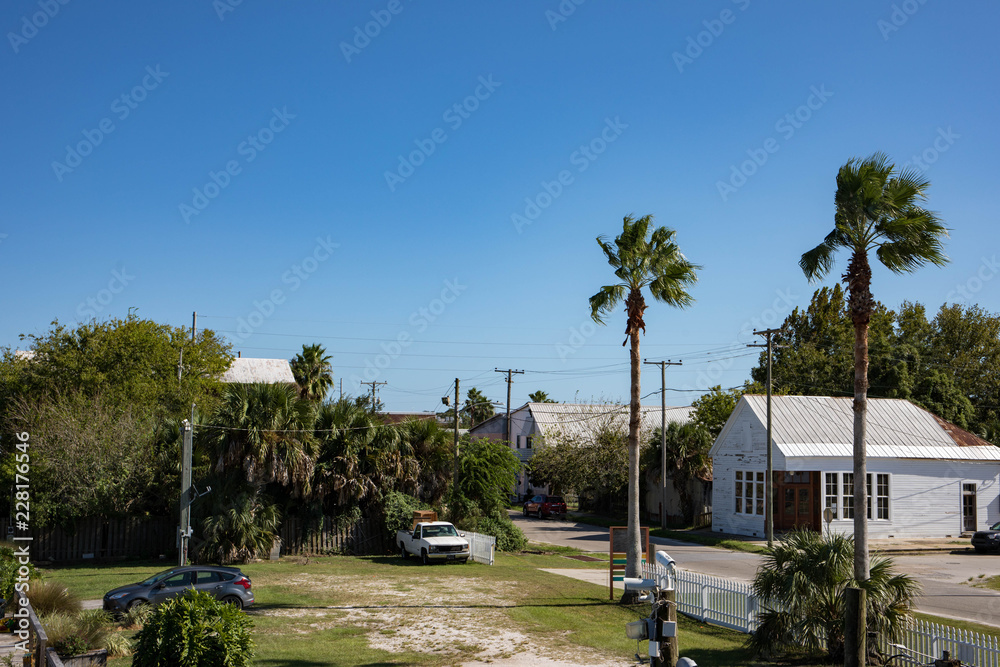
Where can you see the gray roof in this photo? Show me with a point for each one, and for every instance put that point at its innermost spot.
(245, 370)
(579, 418)
(824, 426)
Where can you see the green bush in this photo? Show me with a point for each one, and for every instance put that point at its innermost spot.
(9, 567)
(398, 509)
(509, 537)
(195, 630)
(70, 646)
(79, 633)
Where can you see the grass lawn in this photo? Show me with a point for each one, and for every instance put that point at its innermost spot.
(342, 610)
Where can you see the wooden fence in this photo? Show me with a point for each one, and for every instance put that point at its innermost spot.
(150, 537)
(301, 537)
(138, 537)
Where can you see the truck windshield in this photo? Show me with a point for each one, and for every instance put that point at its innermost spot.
(440, 531)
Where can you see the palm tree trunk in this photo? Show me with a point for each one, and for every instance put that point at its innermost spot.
(633, 552)
(858, 278)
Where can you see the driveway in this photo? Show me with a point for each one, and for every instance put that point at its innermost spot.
(944, 576)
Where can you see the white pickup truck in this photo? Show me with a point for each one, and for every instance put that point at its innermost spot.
(433, 540)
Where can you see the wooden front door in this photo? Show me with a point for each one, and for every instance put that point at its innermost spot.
(969, 508)
(795, 500)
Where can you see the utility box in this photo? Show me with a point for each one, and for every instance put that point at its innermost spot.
(423, 516)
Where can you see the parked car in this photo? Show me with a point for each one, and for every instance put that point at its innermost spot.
(227, 584)
(987, 540)
(543, 506)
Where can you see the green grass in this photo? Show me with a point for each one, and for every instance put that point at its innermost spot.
(338, 610)
(964, 625)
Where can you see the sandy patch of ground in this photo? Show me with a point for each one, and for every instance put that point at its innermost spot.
(460, 619)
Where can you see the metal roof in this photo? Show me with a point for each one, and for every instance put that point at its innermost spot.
(818, 426)
(579, 419)
(245, 370)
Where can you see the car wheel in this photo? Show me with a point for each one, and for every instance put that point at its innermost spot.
(423, 557)
(138, 602)
(539, 513)
(403, 553)
(233, 600)
(525, 510)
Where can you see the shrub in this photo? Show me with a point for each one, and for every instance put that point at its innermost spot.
(71, 645)
(195, 630)
(398, 509)
(509, 537)
(85, 631)
(9, 567)
(136, 616)
(48, 597)
(118, 645)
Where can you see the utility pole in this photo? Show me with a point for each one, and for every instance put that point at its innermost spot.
(187, 429)
(663, 434)
(341, 388)
(509, 372)
(194, 324)
(373, 384)
(769, 478)
(454, 475)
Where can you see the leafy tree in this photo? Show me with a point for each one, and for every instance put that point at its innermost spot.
(880, 209)
(800, 585)
(313, 372)
(87, 458)
(712, 410)
(487, 471)
(539, 397)
(687, 459)
(589, 456)
(360, 457)
(640, 261)
(477, 406)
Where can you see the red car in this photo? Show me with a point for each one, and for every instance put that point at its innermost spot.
(543, 506)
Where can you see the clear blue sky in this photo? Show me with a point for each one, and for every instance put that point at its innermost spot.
(306, 239)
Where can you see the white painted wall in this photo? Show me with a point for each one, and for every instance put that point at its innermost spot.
(925, 494)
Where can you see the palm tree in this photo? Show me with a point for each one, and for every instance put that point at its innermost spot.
(876, 208)
(313, 372)
(800, 586)
(361, 458)
(640, 260)
(263, 432)
(539, 397)
(477, 406)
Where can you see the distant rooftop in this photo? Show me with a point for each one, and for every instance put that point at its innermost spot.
(245, 370)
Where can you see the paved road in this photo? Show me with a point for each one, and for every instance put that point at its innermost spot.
(941, 574)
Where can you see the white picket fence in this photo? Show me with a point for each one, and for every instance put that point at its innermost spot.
(481, 547)
(732, 604)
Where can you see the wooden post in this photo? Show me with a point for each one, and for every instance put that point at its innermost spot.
(668, 612)
(855, 630)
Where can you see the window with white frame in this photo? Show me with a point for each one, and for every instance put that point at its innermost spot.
(749, 492)
(840, 485)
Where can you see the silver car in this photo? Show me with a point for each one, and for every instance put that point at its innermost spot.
(227, 584)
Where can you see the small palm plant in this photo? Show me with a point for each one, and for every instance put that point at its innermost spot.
(800, 586)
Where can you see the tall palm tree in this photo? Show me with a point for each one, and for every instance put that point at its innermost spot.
(477, 406)
(877, 208)
(640, 260)
(313, 372)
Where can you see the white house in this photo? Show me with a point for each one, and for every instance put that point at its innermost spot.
(926, 477)
(531, 422)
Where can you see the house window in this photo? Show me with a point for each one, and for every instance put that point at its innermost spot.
(528, 442)
(877, 505)
(749, 492)
(830, 493)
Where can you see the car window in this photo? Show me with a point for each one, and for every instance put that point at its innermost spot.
(182, 579)
(538, 499)
(205, 577)
(159, 576)
(226, 576)
(555, 499)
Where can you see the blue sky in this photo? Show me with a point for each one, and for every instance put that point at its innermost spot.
(423, 199)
